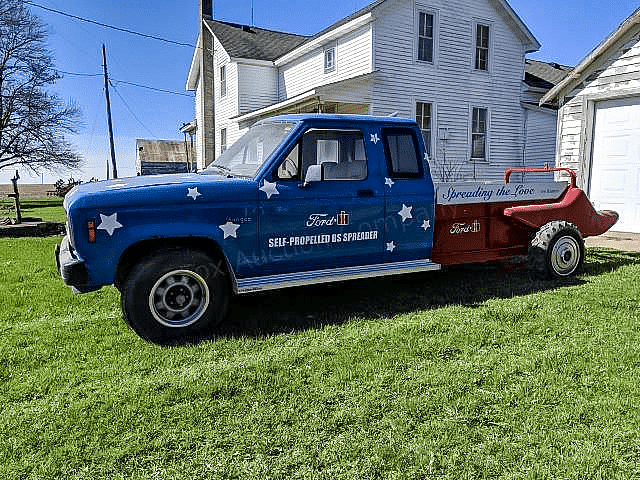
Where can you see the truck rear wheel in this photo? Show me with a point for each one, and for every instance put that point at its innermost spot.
(557, 251)
(175, 296)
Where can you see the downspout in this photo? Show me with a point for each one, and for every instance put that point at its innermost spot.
(524, 143)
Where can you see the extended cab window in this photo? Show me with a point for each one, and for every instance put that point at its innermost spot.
(326, 155)
(402, 152)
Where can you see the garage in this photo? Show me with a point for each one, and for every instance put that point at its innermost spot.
(615, 166)
(599, 123)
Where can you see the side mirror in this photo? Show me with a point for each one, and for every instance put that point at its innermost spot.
(315, 173)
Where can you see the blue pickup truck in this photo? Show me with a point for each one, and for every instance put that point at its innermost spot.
(299, 199)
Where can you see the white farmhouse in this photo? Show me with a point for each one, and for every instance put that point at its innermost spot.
(457, 67)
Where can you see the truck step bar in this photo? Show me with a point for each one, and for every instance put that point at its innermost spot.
(271, 282)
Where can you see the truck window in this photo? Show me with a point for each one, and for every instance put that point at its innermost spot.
(245, 157)
(403, 154)
(341, 154)
(289, 168)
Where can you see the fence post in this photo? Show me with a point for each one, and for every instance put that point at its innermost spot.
(16, 197)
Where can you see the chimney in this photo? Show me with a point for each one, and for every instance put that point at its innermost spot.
(206, 9)
(206, 121)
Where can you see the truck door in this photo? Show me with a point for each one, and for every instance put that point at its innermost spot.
(409, 198)
(321, 208)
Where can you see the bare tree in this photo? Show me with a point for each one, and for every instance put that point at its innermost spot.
(33, 123)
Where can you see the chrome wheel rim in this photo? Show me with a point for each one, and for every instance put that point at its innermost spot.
(565, 255)
(179, 298)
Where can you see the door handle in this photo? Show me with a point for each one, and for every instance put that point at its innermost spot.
(365, 193)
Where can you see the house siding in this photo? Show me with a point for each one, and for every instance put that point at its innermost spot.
(353, 58)
(226, 106)
(379, 60)
(615, 75)
(450, 83)
(540, 144)
(257, 86)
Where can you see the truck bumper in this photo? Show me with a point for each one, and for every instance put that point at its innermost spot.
(72, 269)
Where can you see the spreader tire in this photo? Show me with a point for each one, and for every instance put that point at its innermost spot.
(175, 296)
(556, 251)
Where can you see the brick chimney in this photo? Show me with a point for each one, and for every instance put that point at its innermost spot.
(207, 122)
(206, 9)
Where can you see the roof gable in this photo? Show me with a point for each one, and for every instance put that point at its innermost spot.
(242, 41)
(511, 18)
(519, 27)
(606, 47)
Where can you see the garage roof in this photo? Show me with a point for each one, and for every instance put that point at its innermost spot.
(604, 47)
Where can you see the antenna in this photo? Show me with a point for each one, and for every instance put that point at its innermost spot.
(252, 24)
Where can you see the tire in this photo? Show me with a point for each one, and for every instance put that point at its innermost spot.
(556, 251)
(175, 296)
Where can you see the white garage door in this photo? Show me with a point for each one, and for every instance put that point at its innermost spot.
(615, 170)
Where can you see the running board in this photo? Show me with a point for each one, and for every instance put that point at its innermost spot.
(272, 282)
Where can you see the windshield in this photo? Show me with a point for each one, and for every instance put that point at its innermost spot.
(245, 157)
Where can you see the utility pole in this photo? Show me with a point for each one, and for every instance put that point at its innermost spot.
(106, 91)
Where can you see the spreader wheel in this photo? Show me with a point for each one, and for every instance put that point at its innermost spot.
(557, 251)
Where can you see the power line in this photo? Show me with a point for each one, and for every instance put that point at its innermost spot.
(151, 88)
(125, 30)
(81, 74)
(128, 83)
(131, 111)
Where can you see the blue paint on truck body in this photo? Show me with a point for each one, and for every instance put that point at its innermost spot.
(299, 199)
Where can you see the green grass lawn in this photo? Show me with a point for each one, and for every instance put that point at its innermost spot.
(49, 208)
(476, 372)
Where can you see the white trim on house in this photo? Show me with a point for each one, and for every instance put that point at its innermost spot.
(490, 48)
(433, 146)
(430, 10)
(252, 61)
(487, 134)
(576, 74)
(515, 22)
(194, 69)
(300, 99)
(333, 66)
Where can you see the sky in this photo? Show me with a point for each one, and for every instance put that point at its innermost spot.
(567, 29)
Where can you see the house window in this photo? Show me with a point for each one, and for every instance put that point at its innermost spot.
(223, 140)
(330, 59)
(482, 47)
(479, 134)
(423, 118)
(425, 37)
(223, 80)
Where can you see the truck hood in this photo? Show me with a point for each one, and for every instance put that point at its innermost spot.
(160, 190)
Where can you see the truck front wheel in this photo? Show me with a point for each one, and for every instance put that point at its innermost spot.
(557, 251)
(175, 296)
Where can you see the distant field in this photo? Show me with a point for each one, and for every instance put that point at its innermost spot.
(476, 372)
(47, 208)
(27, 190)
